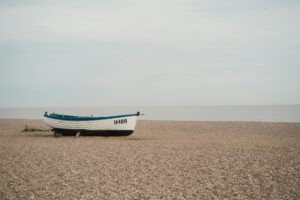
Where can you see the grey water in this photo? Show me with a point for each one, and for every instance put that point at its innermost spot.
(264, 113)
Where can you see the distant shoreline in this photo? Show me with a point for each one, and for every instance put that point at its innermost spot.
(288, 113)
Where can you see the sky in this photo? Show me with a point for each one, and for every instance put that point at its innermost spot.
(143, 53)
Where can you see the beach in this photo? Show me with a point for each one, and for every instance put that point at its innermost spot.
(160, 160)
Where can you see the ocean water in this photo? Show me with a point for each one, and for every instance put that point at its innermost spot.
(284, 113)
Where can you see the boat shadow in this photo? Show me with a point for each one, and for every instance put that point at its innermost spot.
(110, 134)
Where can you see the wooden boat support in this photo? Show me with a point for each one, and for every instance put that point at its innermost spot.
(119, 125)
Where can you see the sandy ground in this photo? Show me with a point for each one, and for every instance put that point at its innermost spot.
(161, 160)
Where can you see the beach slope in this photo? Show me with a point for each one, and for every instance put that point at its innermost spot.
(160, 160)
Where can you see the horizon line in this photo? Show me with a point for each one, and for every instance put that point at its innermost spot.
(107, 106)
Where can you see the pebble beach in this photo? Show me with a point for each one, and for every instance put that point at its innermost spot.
(160, 160)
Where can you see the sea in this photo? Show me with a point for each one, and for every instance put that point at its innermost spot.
(261, 113)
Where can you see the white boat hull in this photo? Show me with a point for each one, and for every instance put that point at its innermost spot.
(120, 125)
(114, 124)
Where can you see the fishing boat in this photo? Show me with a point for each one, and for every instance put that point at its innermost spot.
(118, 125)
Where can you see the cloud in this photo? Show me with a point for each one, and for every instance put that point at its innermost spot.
(149, 52)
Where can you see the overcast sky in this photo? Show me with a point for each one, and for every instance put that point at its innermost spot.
(141, 52)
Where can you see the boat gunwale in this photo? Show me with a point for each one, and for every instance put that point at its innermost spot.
(79, 118)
